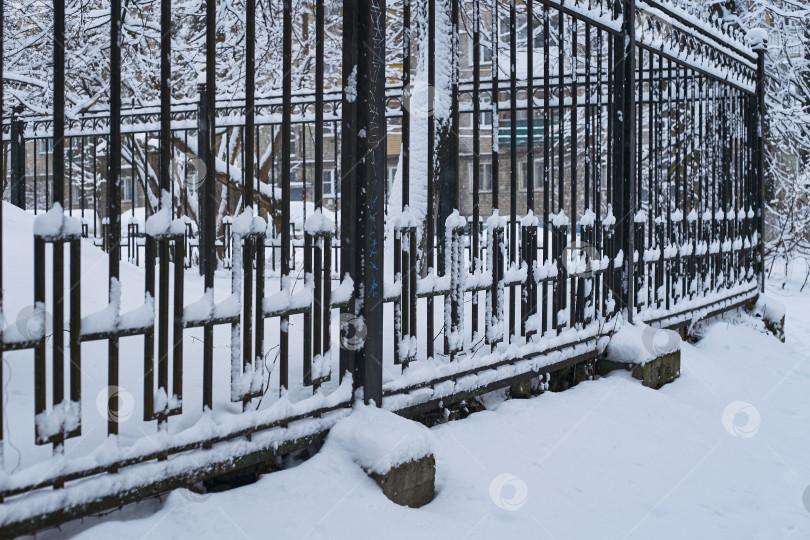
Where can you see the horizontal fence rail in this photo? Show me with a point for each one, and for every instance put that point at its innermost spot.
(404, 218)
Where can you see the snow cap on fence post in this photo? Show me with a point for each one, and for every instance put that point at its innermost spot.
(757, 38)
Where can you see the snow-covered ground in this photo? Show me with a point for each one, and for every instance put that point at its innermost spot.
(719, 453)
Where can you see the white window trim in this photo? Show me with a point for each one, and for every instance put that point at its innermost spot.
(48, 144)
(483, 165)
(331, 191)
(471, 51)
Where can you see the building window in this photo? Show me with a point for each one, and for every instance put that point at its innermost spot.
(486, 120)
(328, 176)
(296, 187)
(126, 188)
(486, 52)
(523, 179)
(485, 177)
(522, 33)
(46, 146)
(292, 141)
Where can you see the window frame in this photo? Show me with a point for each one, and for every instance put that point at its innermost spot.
(482, 177)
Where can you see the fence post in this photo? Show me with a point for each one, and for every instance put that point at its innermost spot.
(203, 138)
(348, 160)
(759, 126)
(363, 157)
(17, 159)
(624, 99)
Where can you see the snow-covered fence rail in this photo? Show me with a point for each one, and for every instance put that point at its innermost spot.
(459, 228)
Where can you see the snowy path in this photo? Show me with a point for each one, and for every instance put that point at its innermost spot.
(606, 459)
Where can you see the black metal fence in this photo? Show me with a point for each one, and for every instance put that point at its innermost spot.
(612, 151)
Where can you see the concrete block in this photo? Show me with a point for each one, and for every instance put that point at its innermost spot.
(410, 484)
(653, 373)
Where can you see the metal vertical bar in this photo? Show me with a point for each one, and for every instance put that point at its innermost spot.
(2, 306)
(412, 289)
(286, 104)
(163, 319)
(177, 320)
(624, 194)
(58, 354)
(75, 320)
(70, 177)
(47, 173)
(83, 141)
(590, 164)
(513, 255)
(327, 291)
(249, 181)
(588, 119)
(495, 41)
(456, 298)
(163, 182)
(113, 202)
(430, 227)
(495, 254)
(529, 297)
(372, 95)
(133, 185)
(17, 165)
(59, 100)
(700, 199)
(36, 195)
(693, 176)
(250, 97)
(319, 68)
(546, 156)
(712, 192)
(39, 307)
(574, 283)
(759, 122)
(95, 188)
(349, 249)
(562, 278)
(320, 274)
(149, 336)
(402, 304)
(475, 226)
(258, 353)
(668, 232)
(208, 257)
(307, 346)
(400, 307)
